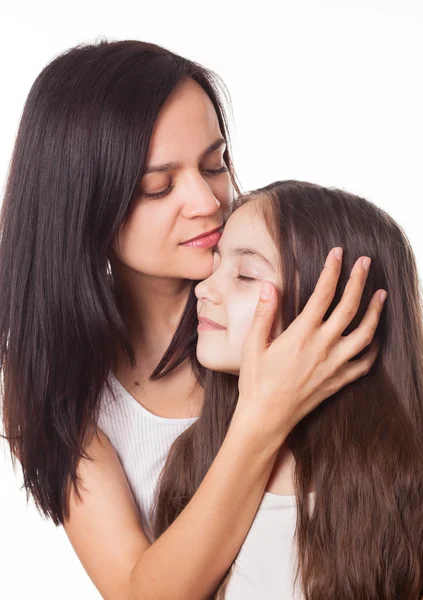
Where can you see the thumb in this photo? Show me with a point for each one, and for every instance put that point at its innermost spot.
(259, 336)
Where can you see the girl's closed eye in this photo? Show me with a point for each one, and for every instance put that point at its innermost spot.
(246, 279)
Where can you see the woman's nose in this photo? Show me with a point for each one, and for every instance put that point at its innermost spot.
(201, 202)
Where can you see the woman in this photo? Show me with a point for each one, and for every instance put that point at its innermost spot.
(121, 159)
(354, 465)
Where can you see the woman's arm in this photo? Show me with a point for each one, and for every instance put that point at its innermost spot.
(192, 556)
(280, 383)
(104, 527)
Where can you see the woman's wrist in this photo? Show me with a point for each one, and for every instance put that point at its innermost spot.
(257, 428)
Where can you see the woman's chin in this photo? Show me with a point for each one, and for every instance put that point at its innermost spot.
(199, 268)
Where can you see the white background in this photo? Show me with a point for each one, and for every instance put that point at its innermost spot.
(329, 92)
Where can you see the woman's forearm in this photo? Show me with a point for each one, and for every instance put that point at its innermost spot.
(190, 558)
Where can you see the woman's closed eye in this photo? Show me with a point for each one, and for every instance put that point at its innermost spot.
(169, 188)
(222, 169)
(160, 194)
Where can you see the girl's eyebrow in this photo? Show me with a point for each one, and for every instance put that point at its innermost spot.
(172, 166)
(244, 251)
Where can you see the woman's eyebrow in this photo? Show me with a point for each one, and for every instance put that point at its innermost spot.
(244, 251)
(176, 165)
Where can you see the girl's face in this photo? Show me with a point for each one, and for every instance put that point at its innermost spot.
(185, 191)
(245, 257)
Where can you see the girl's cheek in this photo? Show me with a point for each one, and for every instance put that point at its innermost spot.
(240, 316)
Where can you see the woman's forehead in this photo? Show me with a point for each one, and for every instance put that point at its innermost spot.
(187, 121)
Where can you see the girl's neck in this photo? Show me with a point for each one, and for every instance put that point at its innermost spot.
(281, 478)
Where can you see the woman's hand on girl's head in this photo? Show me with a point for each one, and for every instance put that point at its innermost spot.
(281, 381)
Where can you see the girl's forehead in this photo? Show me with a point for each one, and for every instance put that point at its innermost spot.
(246, 227)
(247, 217)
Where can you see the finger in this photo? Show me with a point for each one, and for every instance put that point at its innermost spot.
(357, 340)
(258, 337)
(360, 367)
(347, 308)
(320, 300)
(352, 371)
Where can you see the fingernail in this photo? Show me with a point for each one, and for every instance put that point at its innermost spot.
(266, 291)
(383, 295)
(338, 253)
(366, 263)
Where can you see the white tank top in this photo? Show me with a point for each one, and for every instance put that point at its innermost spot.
(265, 564)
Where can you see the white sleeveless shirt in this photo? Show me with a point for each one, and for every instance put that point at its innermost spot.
(264, 566)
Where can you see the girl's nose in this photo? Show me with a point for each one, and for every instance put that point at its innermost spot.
(207, 291)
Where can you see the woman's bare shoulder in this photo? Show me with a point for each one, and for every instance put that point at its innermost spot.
(104, 526)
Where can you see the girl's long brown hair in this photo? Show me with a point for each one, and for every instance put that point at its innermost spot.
(361, 449)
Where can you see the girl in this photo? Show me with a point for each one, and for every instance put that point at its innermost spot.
(353, 467)
(119, 185)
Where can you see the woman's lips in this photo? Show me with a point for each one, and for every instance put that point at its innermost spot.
(205, 242)
(208, 325)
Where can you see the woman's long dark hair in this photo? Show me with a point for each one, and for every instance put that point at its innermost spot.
(78, 159)
(361, 449)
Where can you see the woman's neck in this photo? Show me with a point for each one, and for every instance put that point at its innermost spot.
(151, 306)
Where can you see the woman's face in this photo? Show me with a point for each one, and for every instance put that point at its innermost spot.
(245, 257)
(185, 191)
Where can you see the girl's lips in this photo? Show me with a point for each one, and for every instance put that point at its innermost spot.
(207, 325)
(205, 242)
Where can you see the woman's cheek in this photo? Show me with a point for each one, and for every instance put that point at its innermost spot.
(223, 191)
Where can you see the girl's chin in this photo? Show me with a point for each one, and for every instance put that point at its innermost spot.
(215, 363)
(208, 361)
